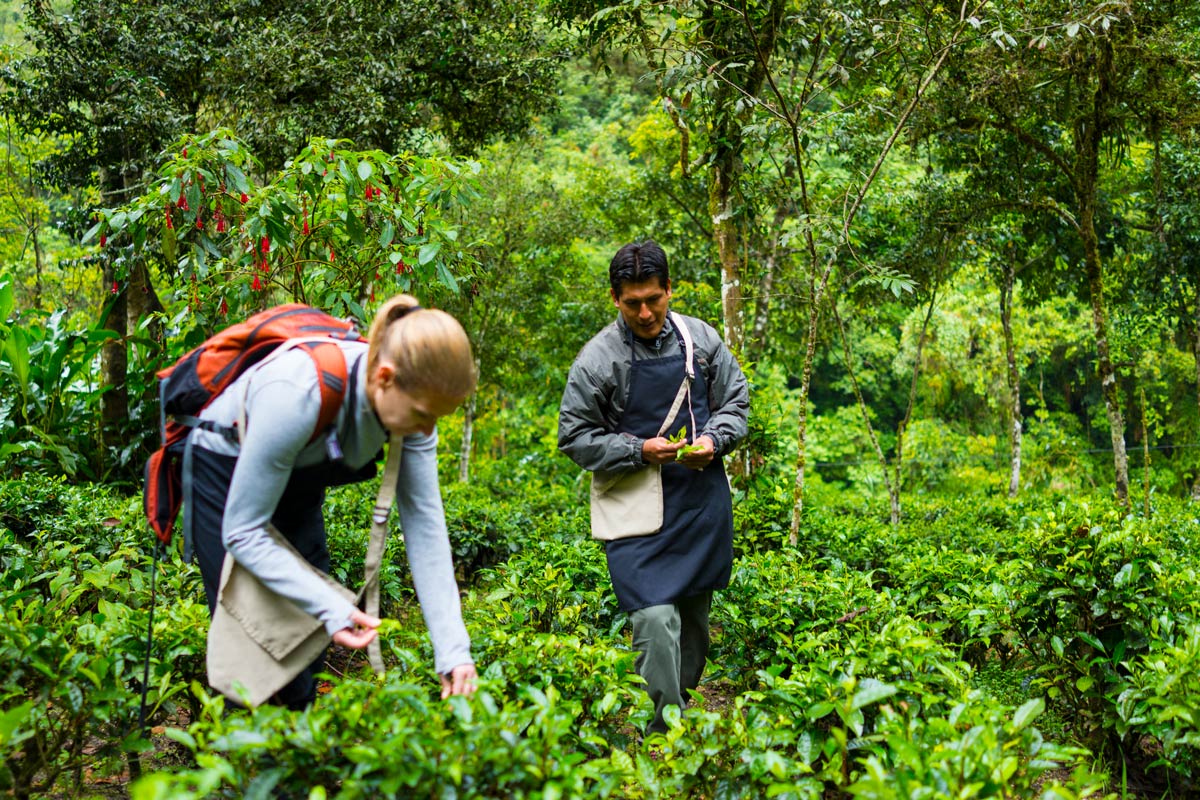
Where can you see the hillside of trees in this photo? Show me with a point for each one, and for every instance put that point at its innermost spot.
(956, 250)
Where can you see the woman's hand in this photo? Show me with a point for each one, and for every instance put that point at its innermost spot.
(461, 680)
(360, 633)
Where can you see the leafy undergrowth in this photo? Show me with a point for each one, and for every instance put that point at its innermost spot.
(1036, 649)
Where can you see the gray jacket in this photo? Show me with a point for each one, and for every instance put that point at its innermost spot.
(598, 385)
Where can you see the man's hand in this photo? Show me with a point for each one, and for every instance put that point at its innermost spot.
(360, 633)
(699, 455)
(461, 680)
(660, 450)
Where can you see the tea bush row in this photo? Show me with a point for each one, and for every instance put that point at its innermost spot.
(852, 656)
(1074, 593)
(72, 635)
(549, 722)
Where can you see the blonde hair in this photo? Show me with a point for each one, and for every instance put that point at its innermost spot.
(428, 347)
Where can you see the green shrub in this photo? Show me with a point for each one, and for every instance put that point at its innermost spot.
(777, 603)
(975, 749)
(529, 732)
(1160, 701)
(75, 583)
(552, 586)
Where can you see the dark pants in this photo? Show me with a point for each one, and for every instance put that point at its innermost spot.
(672, 645)
(298, 517)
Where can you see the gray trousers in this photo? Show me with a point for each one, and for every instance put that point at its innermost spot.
(672, 646)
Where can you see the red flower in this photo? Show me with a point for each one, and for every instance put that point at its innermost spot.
(183, 204)
(266, 245)
(306, 226)
(257, 284)
(103, 240)
(245, 198)
(221, 227)
(199, 223)
(185, 152)
(331, 258)
(167, 212)
(224, 309)
(114, 289)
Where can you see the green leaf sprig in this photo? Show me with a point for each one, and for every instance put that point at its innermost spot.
(681, 436)
(388, 627)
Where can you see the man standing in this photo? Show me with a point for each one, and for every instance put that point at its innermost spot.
(629, 392)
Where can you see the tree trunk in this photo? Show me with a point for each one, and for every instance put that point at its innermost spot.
(897, 482)
(1107, 372)
(114, 365)
(756, 341)
(1088, 134)
(1196, 356)
(734, 36)
(720, 204)
(1014, 379)
(1145, 454)
(816, 291)
(468, 433)
(893, 491)
(142, 302)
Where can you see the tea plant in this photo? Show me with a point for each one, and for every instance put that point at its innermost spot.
(1159, 700)
(74, 630)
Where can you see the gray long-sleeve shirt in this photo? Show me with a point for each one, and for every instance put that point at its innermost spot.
(282, 401)
(598, 385)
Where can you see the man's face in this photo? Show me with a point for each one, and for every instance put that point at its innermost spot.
(644, 306)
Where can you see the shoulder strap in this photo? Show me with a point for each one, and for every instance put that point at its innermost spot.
(689, 369)
(689, 349)
(375, 545)
(332, 376)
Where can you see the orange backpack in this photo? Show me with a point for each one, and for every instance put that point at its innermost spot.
(194, 381)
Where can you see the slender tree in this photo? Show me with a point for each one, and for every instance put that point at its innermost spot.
(1068, 95)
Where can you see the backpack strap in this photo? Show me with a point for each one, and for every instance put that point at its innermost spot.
(332, 377)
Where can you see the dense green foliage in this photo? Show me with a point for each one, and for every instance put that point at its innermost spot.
(992, 646)
(955, 248)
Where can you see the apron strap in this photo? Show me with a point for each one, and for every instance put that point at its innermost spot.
(685, 388)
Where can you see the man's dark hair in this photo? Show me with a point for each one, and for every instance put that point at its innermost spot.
(636, 263)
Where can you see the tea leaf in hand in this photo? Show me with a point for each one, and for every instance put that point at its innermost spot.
(387, 627)
(678, 437)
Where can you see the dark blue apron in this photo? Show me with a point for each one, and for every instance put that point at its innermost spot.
(693, 552)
